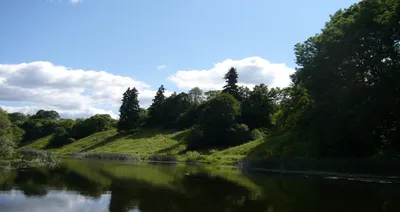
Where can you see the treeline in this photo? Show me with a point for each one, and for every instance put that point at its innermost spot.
(344, 99)
(223, 118)
(17, 128)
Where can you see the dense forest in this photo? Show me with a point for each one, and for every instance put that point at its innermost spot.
(343, 101)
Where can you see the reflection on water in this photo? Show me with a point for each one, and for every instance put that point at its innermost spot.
(87, 185)
(16, 200)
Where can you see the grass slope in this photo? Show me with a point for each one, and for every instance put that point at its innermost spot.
(40, 143)
(149, 142)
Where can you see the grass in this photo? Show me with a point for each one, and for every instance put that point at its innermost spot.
(39, 144)
(148, 144)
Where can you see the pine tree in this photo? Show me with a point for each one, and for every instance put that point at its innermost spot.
(155, 109)
(129, 111)
(231, 84)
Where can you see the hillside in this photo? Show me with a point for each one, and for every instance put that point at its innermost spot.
(147, 143)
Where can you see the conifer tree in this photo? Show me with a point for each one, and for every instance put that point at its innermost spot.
(231, 86)
(155, 109)
(129, 111)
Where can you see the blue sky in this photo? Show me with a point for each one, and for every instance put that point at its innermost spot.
(178, 43)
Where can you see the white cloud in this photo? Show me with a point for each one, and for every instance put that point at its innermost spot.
(71, 1)
(71, 92)
(161, 67)
(54, 201)
(251, 70)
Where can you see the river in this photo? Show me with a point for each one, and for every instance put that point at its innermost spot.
(90, 185)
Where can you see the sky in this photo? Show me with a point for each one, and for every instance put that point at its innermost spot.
(78, 56)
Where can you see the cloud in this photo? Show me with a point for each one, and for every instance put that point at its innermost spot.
(72, 92)
(161, 67)
(54, 201)
(251, 70)
(70, 1)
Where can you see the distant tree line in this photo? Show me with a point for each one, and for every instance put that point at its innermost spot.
(215, 118)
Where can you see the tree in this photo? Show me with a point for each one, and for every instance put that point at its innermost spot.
(244, 92)
(195, 95)
(6, 144)
(216, 120)
(155, 109)
(256, 110)
(231, 86)
(351, 72)
(46, 114)
(17, 118)
(129, 111)
(211, 94)
(173, 107)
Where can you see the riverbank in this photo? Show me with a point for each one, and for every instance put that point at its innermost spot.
(149, 144)
(157, 145)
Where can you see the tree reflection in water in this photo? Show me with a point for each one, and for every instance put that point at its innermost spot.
(150, 188)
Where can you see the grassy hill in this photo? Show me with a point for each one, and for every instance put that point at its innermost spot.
(147, 143)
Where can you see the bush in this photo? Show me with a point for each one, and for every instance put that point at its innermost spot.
(256, 134)
(195, 138)
(59, 140)
(6, 147)
(193, 156)
(238, 134)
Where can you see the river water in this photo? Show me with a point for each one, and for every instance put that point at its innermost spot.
(90, 185)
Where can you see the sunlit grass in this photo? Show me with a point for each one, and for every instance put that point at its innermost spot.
(38, 144)
(148, 143)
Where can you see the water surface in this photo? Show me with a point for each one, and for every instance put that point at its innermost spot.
(89, 185)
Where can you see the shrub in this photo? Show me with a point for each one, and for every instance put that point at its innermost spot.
(195, 138)
(256, 134)
(238, 134)
(193, 156)
(6, 147)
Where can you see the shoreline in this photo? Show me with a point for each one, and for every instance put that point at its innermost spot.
(281, 172)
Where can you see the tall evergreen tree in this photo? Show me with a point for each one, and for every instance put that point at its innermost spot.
(155, 109)
(129, 111)
(231, 86)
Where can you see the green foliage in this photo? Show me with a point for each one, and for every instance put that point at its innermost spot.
(244, 92)
(191, 116)
(237, 134)
(231, 86)
(193, 156)
(173, 107)
(17, 133)
(5, 123)
(89, 126)
(7, 145)
(216, 123)
(345, 93)
(256, 110)
(143, 116)
(17, 118)
(195, 95)
(129, 112)
(256, 134)
(211, 94)
(46, 114)
(156, 109)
